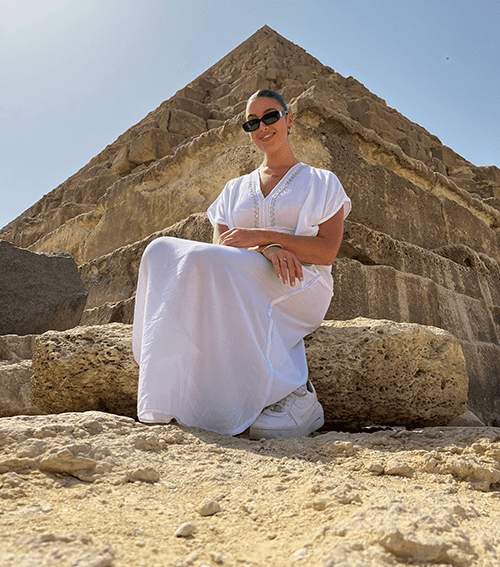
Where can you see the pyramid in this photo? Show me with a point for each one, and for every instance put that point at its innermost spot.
(421, 245)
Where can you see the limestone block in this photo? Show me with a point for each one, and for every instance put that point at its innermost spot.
(38, 291)
(211, 123)
(191, 106)
(247, 85)
(70, 236)
(218, 115)
(112, 277)
(367, 371)
(15, 375)
(412, 148)
(220, 92)
(121, 164)
(193, 91)
(15, 347)
(148, 146)
(15, 388)
(117, 312)
(86, 368)
(185, 123)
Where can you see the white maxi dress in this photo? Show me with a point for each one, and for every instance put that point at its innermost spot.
(217, 335)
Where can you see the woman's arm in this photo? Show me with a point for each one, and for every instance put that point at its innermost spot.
(321, 249)
(219, 229)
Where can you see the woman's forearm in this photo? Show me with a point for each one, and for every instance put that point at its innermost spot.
(308, 249)
(319, 249)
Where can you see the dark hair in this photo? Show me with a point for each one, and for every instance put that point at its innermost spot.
(267, 93)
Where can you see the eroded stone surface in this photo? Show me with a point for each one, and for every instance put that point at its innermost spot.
(368, 372)
(364, 371)
(38, 291)
(86, 368)
(70, 491)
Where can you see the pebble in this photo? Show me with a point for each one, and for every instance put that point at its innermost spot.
(375, 468)
(319, 504)
(192, 557)
(147, 474)
(209, 507)
(217, 557)
(300, 554)
(186, 530)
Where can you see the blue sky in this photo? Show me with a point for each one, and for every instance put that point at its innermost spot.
(75, 74)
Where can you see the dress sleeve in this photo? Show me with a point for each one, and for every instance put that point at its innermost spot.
(325, 198)
(335, 198)
(218, 210)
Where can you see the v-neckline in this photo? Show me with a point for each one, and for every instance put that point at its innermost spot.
(275, 188)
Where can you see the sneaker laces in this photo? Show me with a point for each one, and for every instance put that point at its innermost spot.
(285, 402)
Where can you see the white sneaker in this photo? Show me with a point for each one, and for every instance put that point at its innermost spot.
(298, 414)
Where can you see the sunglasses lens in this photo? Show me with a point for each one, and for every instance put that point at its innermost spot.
(251, 125)
(271, 117)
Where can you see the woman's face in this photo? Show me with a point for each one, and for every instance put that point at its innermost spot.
(268, 138)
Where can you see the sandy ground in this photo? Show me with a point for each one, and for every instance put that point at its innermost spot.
(98, 490)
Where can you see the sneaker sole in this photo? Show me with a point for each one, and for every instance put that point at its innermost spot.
(315, 421)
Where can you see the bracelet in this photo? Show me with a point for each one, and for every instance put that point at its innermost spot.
(270, 245)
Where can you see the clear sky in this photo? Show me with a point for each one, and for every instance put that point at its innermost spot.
(75, 74)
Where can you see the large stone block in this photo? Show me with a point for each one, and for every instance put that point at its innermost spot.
(38, 292)
(364, 371)
(16, 374)
(381, 372)
(382, 292)
(86, 368)
(113, 277)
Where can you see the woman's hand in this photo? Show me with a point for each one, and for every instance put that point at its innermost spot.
(241, 238)
(286, 264)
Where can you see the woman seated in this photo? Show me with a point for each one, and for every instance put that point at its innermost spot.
(218, 328)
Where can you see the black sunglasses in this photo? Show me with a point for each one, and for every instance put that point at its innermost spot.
(268, 119)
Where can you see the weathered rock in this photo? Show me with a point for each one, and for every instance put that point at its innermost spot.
(364, 371)
(467, 419)
(209, 507)
(16, 375)
(382, 372)
(86, 368)
(113, 277)
(38, 291)
(382, 292)
(15, 388)
(432, 495)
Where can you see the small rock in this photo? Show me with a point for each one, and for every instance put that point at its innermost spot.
(300, 554)
(375, 468)
(186, 530)
(147, 474)
(209, 507)
(192, 557)
(217, 557)
(319, 504)
(397, 468)
(467, 419)
(272, 535)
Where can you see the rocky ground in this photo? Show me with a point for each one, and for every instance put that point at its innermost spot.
(98, 490)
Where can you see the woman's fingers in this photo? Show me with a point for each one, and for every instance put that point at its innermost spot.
(286, 265)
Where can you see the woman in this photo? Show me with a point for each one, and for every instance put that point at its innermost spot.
(218, 329)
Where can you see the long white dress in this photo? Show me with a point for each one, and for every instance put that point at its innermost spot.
(218, 336)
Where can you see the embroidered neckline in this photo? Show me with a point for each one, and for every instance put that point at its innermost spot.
(255, 196)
